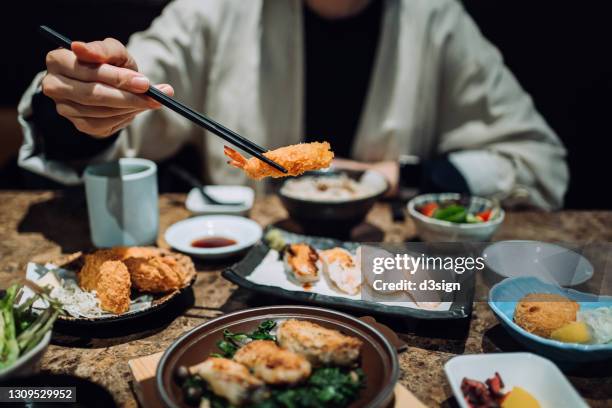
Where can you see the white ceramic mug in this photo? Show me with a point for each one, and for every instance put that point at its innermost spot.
(122, 202)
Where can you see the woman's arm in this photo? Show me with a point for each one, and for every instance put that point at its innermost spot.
(171, 50)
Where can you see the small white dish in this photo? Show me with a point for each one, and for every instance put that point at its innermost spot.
(548, 262)
(537, 375)
(182, 234)
(242, 194)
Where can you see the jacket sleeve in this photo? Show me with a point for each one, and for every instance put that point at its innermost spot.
(489, 126)
(173, 51)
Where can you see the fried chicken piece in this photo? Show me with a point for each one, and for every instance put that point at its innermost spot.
(273, 364)
(155, 274)
(297, 159)
(543, 313)
(88, 275)
(123, 253)
(230, 380)
(302, 261)
(110, 279)
(321, 346)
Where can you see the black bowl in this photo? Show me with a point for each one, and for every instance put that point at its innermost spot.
(322, 216)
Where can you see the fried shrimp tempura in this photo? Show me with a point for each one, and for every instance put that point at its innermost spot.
(297, 159)
(109, 278)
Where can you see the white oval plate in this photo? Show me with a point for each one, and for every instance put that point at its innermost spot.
(242, 230)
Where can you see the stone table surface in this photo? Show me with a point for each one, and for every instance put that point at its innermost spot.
(40, 226)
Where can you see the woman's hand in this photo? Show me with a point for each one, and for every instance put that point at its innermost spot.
(389, 169)
(97, 86)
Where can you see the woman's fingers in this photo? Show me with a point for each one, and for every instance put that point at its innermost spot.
(60, 87)
(102, 127)
(64, 62)
(70, 109)
(109, 51)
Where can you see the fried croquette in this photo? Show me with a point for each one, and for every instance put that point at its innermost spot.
(297, 159)
(148, 270)
(154, 274)
(88, 275)
(273, 364)
(320, 345)
(111, 281)
(180, 265)
(543, 313)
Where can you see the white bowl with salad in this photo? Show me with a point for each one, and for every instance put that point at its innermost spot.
(452, 217)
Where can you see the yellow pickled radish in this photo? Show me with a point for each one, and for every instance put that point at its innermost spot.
(575, 332)
(519, 398)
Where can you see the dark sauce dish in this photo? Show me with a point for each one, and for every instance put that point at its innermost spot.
(378, 357)
(213, 242)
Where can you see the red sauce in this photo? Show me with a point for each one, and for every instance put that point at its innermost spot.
(307, 286)
(212, 242)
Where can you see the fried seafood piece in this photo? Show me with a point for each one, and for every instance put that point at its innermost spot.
(155, 274)
(543, 313)
(321, 346)
(302, 262)
(230, 380)
(297, 159)
(111, 281)
(273, 364)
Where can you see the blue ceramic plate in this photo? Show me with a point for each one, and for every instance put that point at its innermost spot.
(503, 298)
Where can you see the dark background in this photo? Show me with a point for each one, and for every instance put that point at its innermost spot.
(559, 51)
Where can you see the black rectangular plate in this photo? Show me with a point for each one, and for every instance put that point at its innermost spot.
(460, 308)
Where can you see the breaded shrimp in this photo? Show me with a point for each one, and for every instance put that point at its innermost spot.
(297, 159)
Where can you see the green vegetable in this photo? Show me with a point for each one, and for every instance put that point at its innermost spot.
(326, 387)
(21, 328)
(231, 342)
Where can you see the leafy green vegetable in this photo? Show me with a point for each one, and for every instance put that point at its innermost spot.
(231, 342)
(21, 329)
(327, 387)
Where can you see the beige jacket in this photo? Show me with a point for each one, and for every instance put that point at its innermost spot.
(438, 87)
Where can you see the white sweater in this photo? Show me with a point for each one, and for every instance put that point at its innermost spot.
(438, 87)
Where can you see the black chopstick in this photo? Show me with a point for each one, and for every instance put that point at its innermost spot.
(185, 111)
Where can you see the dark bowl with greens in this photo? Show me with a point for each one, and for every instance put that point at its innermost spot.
(370, 384)
(452, 217)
